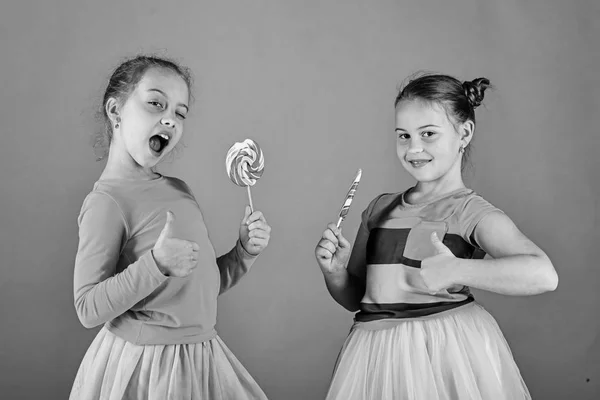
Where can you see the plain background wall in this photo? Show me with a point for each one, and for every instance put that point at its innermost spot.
(313, 82)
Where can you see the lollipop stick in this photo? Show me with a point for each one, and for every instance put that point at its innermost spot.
(250, 198)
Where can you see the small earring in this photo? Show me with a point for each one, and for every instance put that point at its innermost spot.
(118, 121)
(461, 149)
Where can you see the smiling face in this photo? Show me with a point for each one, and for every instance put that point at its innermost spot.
(428, 144)
(152, 118)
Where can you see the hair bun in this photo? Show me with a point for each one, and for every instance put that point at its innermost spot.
(475, 89)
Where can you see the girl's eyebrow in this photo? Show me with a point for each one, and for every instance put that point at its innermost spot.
(164, 94)
(421, 127)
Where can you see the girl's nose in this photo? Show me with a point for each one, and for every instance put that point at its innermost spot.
(168, 122)
(415, 146)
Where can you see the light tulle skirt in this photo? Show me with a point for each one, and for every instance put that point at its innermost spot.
(113, 369)
(457, 355)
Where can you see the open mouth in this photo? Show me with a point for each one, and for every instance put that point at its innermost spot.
(159, 142)
(419, 163)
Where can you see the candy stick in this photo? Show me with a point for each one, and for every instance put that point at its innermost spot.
(250, 199)
(349, 197)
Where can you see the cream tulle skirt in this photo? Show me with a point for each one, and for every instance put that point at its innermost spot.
(457, 355)
(113, 369)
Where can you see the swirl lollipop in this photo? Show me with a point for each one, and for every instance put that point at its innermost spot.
(245, 164)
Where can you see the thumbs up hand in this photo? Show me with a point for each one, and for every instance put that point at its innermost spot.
(174, 257)
(437, 271)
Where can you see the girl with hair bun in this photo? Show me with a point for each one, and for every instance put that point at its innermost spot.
(419, 333)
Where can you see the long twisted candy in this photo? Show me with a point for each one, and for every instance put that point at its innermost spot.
(349, 197)
(245, 163)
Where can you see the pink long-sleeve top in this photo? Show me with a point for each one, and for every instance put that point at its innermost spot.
(116, 279)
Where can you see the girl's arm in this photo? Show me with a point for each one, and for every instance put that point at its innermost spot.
(518, 267)
(346, 280)
(234, 265)
(347, 284)
(254, 238)
(346, 289)
(101, 294)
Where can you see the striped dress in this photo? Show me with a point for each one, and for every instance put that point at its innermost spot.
(407, 343)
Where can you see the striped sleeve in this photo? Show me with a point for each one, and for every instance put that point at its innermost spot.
(357, 266)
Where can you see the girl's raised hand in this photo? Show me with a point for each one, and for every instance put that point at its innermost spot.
(333, 250)
(254, 232)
